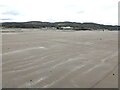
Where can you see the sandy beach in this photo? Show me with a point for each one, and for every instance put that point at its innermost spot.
(57, 59)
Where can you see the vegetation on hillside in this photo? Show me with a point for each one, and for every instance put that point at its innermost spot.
(59, 25)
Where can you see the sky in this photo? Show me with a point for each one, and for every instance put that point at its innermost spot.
(97, 11)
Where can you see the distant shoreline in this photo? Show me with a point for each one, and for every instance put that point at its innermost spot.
(22, 30)
(59, 25)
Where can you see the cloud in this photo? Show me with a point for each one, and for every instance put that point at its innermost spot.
(2, 5)
(80, 12)
(4, 19)
(14, 13)
(99, 11)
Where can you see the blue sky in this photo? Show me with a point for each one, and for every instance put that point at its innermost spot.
(98, 11)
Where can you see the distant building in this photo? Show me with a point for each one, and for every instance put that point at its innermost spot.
(66, 28)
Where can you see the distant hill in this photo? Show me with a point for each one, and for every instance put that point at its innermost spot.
(59, 25)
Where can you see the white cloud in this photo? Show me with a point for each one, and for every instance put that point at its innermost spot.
(98, 11)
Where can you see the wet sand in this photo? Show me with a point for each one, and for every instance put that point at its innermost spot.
(51, 59)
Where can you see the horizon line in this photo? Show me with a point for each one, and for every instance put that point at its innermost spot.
(55, 22)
